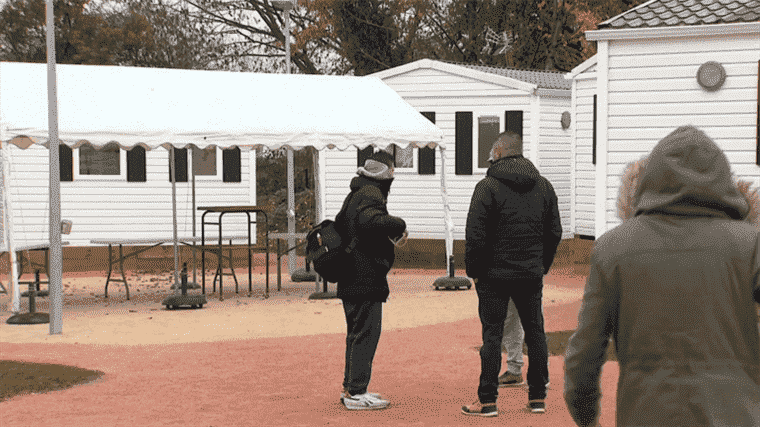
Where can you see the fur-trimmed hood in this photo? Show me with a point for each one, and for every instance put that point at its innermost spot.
(686, 173)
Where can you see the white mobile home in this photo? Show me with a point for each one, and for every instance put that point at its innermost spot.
(662, 65)
(471, 105)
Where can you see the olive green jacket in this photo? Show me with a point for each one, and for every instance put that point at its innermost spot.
(674, 286)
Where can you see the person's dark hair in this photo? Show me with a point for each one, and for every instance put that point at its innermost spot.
(383, 157)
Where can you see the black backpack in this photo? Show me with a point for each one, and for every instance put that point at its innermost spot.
(327, 250)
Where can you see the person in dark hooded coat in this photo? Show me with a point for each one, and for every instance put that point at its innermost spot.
(674, 286)
(363, 287)
(512, 233)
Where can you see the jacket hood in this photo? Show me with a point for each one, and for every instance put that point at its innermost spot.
(360, 181)
(517, 172)
(686, 174)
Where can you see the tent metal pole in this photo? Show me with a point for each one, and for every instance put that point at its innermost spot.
(291, 214)
(192, 168)
(291, 175)
(177, 290)
(448, 223)
(8, 226)
(56, 251)
(317, 198)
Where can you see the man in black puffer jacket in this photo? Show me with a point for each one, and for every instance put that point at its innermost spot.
(513, 230)
(364, 284)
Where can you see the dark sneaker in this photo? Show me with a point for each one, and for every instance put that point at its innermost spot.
(510, 380)
(537, 406)
(481, 409)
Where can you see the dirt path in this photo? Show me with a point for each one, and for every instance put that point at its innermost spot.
(426, 365)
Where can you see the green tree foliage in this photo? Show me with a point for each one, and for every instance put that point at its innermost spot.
(328, 36)
(606, 9)
(515, 33)
(373, 35)
(81, 37)
(254, 30)
(590, 13)
(145, 33)
(161, 33)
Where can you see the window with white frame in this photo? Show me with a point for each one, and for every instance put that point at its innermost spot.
(109, 162)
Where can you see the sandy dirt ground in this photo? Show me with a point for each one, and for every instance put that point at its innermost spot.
(252, 360)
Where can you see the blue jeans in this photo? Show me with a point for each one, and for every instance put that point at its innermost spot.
(493, 300)
(363, 326)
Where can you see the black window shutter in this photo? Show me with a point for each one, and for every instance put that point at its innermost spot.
(136, 164)
(363, 155)
(463, 143)
(513, 122)
(180, 161)
(66, 162)
(593, 136)
(426, 161)
(231, 165)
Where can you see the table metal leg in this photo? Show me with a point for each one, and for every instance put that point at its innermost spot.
(110, 264)
(219, 259)
(203, 253)
(279, 267)
(21, 264)
(121, 268)
(46, 260)
(232, 267)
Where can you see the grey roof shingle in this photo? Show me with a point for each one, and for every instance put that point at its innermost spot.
(542, 79)
(674, 13)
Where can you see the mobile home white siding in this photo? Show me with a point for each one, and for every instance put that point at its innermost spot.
(584, 170)
(554, 153)
(653, 90)
(415, 197)
(119, 209)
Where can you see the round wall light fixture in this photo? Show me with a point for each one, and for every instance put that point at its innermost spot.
(711, 75)
(565, 120)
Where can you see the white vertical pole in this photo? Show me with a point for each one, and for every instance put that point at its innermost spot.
(291, 213)
(448, 223)
(287, 41)
(56, 251)
(291, 174)
(7, 208)
(177, 290)
(192, 168)
(317, 196)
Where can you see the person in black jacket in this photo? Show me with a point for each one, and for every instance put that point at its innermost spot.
(364, 285)
(512, 233)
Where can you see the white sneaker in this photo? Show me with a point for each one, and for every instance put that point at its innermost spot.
(364, 401)
(345, 394)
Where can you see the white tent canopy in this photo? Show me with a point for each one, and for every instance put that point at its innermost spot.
(153, 107)
(174, 108)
